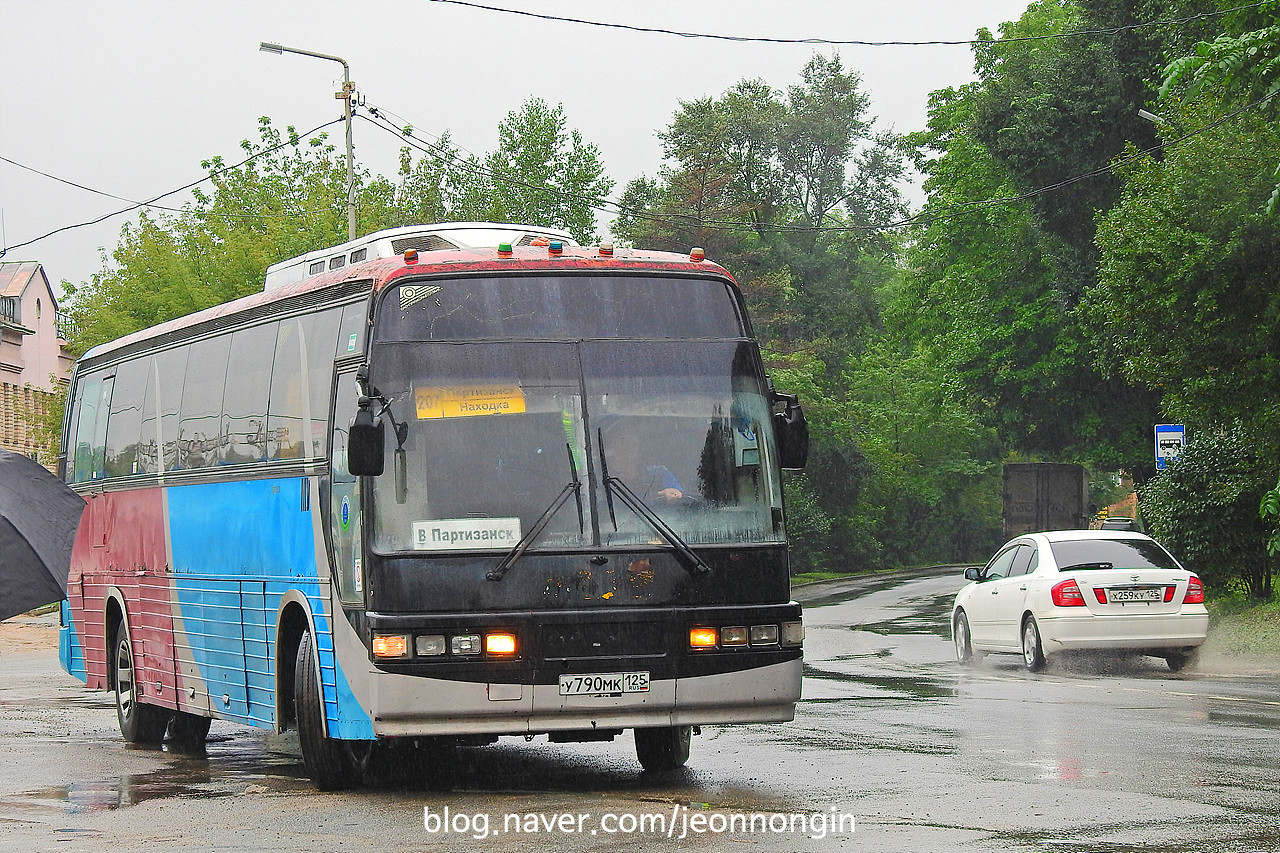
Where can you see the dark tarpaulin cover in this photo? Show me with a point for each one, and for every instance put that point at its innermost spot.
(39, 515)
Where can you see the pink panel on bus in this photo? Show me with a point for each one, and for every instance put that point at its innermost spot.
(121, 543)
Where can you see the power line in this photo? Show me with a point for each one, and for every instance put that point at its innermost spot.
(151, 202)
(71, 183)
(836, 42)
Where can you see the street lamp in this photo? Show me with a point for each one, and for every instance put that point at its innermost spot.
(348, 88)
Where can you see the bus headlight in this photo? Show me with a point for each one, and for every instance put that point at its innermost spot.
(429, 645)
(792, 633)
(764, 635)
(465, 644)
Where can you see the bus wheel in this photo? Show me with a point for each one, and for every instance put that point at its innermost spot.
(189, 730)
(328, 760)
(139, 721)
(663, 749)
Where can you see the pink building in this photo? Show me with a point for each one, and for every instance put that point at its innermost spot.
(34, 362)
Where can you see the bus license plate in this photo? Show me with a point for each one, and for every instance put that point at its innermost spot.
(604, 683)
(1120, 596)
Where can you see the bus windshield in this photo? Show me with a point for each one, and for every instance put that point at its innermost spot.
(498, 430)
(559, 307)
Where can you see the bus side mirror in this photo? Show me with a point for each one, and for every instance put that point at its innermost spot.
(365, 444)
(791, 431)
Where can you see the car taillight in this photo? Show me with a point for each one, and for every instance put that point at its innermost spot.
(1195, 592)
(1067, 594)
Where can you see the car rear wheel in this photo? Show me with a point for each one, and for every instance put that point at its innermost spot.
(1032, 649)
(963, 640)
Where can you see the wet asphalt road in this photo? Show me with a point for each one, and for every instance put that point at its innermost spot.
(923, 755)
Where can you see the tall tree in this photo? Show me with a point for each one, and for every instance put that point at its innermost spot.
(1186, 297)
(997, 282)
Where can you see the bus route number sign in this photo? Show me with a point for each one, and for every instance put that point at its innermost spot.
(604, 683)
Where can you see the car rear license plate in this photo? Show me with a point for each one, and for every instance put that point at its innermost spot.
(603, 683)
(1120, 596)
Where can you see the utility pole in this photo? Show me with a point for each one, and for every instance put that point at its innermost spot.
(346, 95)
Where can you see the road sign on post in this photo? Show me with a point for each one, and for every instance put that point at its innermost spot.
(1170, 439)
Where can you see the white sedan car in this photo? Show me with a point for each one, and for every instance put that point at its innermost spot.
(1086, 590)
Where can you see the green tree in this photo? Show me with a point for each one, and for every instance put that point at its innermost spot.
(993, 286)
(1205, 509)
(287, 197)
(546, 173)
(1186, 299)
(1242, 62)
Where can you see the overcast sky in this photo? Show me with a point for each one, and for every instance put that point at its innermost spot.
(128, 96)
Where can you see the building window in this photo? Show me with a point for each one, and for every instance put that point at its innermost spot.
(9, 312)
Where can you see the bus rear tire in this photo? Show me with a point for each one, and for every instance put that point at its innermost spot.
(139, 721)
(328, 760)
(663, 749)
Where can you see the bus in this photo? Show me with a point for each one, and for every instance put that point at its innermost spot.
(435, 497)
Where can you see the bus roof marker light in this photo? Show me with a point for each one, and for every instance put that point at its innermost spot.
(697, 255)
(504, 250)
(410, 257)
(555, 248)
(606, 250)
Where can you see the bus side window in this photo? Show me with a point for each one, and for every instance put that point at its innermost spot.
(199, 426)
(93, 399)
(244, 401)
(344, 502)
(124, 426)
(352, 328)
(171, 370)
(286, 410)
(319, 336)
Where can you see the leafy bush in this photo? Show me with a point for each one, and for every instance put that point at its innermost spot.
(1204, 508)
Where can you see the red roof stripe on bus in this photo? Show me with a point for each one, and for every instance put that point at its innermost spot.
(384, 271)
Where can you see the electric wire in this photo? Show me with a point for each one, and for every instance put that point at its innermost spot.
(151, 202)
(839, 42)
(71, 183)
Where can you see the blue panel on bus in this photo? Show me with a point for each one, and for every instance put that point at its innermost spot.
(256, 528)
(237, 548)
(69, 652)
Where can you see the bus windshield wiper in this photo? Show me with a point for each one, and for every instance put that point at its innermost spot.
(517, 550)
(692, 563)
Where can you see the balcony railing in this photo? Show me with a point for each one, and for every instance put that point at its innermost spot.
(66, 327)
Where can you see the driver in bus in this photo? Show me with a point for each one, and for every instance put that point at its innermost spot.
(655, 484)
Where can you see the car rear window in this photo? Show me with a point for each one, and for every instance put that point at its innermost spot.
(1111, 553)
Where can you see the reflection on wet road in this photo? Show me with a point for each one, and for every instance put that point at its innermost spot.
(1099, 755)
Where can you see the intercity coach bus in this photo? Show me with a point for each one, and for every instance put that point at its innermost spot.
(417, 491)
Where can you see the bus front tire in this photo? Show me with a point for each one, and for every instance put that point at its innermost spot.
(328, 760)
(139, 722)
(663, 749)
(189, 730)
